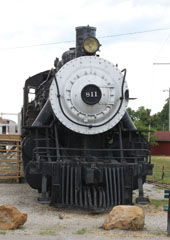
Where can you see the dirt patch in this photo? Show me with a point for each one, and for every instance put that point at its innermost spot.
(44, 220)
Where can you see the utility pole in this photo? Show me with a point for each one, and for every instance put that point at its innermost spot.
(165, 90)
(168, 90)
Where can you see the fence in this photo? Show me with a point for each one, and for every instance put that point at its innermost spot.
(10, 157)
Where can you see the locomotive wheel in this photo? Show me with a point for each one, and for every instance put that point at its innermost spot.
(34, 180)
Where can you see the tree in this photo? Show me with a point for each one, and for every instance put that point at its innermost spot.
(143, 120)
(164, 117)
(141, 117)
(160, 120)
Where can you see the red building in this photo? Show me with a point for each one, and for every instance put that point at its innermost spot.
(163, 144)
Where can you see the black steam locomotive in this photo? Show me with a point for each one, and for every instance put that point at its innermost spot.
(80, 147)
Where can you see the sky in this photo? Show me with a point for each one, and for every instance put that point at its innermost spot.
(34, 32)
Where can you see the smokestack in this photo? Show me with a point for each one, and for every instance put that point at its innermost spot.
(81, 34)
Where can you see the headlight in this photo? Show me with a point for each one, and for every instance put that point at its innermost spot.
(91, 45)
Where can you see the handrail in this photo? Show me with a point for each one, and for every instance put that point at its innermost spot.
(42, 152)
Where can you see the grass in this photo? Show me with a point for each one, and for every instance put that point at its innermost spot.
(158, 203)
(2, 233)
(161, 165)
(81, 231)
(47, 232)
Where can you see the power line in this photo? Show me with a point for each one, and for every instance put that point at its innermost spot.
(165, 42)
(160, 63)
(71, 41)
(36, 45)
(133, 33)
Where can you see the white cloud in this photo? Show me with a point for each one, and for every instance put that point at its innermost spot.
(146, 81)
(29, 22)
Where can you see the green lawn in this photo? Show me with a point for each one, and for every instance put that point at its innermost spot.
(161, 164)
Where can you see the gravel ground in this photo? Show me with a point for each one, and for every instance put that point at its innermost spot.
(45, 223)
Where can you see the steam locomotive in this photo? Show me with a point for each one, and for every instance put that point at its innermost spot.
(80, 147)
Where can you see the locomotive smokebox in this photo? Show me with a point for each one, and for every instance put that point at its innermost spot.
(81, 34)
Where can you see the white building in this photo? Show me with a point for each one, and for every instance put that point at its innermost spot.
(8, 126)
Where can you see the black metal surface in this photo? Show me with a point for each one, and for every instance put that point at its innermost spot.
(169, 215)
(81, 34)
(73, 186)
(96, 198)
(45, 116)
(127, 122)
(167, 208)
(92, 172)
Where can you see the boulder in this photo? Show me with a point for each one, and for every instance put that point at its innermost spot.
(11, 217)
(125, 217)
